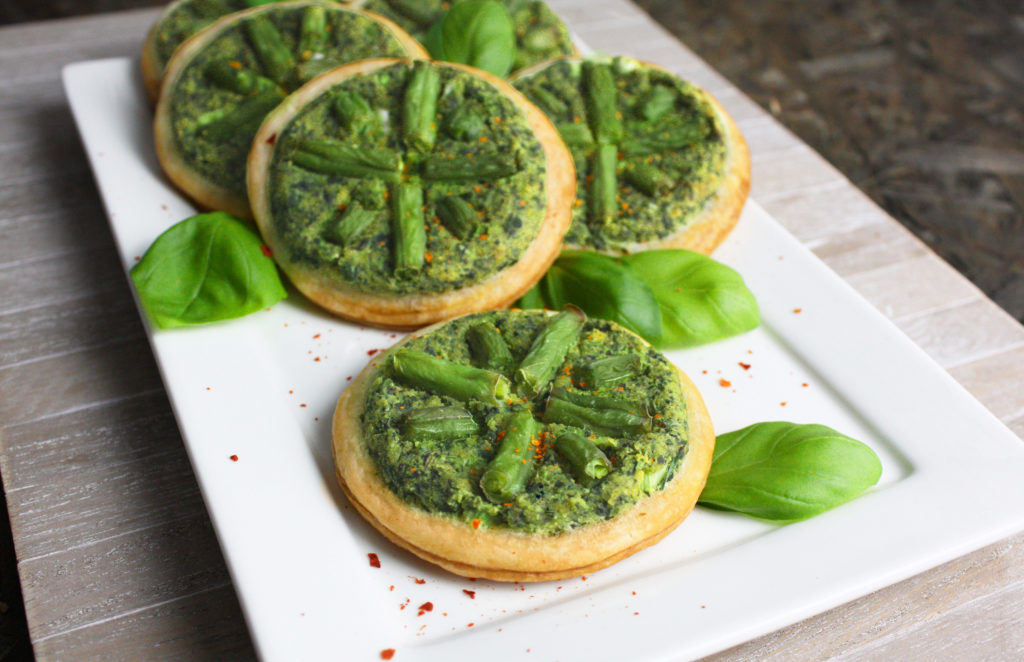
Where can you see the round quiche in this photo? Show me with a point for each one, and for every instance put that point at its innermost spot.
(660, 163)
(522, 445)
(222, 82)
(403, 192)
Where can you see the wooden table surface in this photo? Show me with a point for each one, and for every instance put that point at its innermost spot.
(116, 553)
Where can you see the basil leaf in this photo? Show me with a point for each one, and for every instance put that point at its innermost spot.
(206, 268)
(787, 472)
(479, 33)
(601, 286)
(701, 300)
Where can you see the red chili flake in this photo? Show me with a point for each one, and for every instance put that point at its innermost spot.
(584, 578)
(372, 352)
(805, 385)
(636, 613)
(471, 594)
(302, 404)
(272, 139)
(469, 625)
(724, 383)
(472, 579)
(266, 250)
(419, 581)
(234, 458)
(374, 560)
(316, 336)
(387, 653)
(703, 372)
(745, 366)
(316, 359)
(797, 310)
(782, 404)
(476, 524)
(425, 607)
(349, 378)
(634, 592)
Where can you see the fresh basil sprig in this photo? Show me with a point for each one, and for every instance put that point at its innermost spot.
(701, 300)
(785, 472)
(206, 268)
(479, 33)
(601, 286)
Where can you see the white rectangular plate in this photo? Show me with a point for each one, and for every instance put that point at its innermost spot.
(263, 389)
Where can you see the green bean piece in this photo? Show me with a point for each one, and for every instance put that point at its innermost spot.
(607, 422)
(597, 401)
(648, 179)
(421, 12)
(458, 217)
(658, 101)
(209, 9)
(586, 460)
(487, 347)
(260, 3)
(419, 107)
(438, 424)
(607, 371)
(548, 102)
(477, 166)
(409, 235)
(548, 350)
(313, 35)
(645, 143)
(351, 225)
(602, 196)
(508, 472)
(270, 49)
(236, 78)
(602, 100)
(355, 114)
(333, 157)
(465, 124)
(656, 479)
(576, 134)
(244, 119)
(462, 382)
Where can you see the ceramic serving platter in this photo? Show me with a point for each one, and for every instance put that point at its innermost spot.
(254, 397)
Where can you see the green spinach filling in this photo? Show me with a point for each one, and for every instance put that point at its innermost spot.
(225, 91)
(442, 173)
(648, 147)
(442, 474)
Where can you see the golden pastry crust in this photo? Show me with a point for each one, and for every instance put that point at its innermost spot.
(509, 555)
(205, 193)
(721, 213)
(415, 310)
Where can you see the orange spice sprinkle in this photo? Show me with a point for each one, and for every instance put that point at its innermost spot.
(235, 64)
(476, 524)
(657, 416)
(522, 203)
(724, 383)
(483, 139)
(483, 237)
(498, 120)
(428, 257)
(501, 435)
(477, 189)
(798, 310)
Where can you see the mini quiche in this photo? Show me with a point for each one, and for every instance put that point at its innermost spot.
(400, 192)
(540, 34)
(660, 163)
(222, 82)
(522, 446)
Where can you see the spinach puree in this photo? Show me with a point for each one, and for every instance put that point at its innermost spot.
(305, 205)
(443, 477)
(198, 102)
(183, 19)
(694, 171)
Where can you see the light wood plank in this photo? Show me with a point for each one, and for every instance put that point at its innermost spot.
(867, 248)
(206, 626)
(965, 333)
(814, 214)
(913, 287)
(995, 381)
(115, 576)
(792, 170)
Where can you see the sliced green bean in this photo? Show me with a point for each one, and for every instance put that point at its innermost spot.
(408, 232)
(313, 35)
(548, 350)
(608, 422)
(644, 143)
(602, 100)
(465, 123)
(597, 401)
(548, 102)
(351, 225)
(355, 113)
(488, 348)
(419, 107)
(458, 217)
(275, 57)
(244, 119)
(476, 166)
(586, 460)
(607, 371)
(508, 472)
(438, 424)
(462, 382)
(576, 134)
(602, 199)
(333, 157)
(658, 101)
(648, 179)
(236, 78)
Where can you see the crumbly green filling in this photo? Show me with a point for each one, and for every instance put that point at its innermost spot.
(443, 477)
(185, 18)
(305, 205)
(695, 171)
(197, 101)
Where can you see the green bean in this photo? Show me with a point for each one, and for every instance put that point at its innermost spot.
(354, 113)
(607, 371)
(576, 134)
(351, 225)
(333, 157)
(458, 217)
(548, 350)
(487, 347)
(408, 233)
(462, 382)
(658, 101)
(644, 143)
(270, 49)
(586, 460)
(313, 32)
(548, 102)
(602, 101)
(237, 79)
(465, 123)
(602, 197)
(419, 107)
(208, 9)
(508, 472)
(475, 166)
(244, 119)
(607, 422)
(596, 401)
(438, 424)
(648, 179)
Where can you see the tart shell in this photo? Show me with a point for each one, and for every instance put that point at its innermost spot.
(504, 555)
(415, 310)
